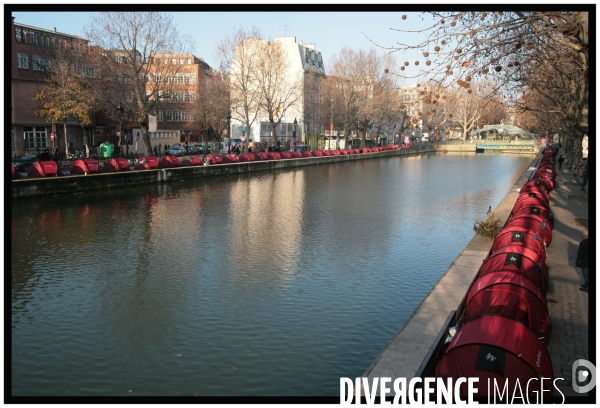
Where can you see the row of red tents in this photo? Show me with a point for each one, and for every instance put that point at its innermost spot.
(90, 166)
(506, 321)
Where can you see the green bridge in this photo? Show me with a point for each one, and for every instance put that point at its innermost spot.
(506, 146)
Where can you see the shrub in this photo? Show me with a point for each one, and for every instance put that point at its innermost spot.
(489, 228)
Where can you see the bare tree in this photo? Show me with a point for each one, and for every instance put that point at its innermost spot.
(473, 106)
(360, 91)
(341, 89)
(280, 89)
(130, 43)
(508, 46)
(210, 108)
(238, 55)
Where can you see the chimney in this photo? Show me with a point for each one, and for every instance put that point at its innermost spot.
(54, 29)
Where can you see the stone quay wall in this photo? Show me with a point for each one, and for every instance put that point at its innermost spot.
(45, 186)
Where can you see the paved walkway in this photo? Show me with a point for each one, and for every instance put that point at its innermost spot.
(568, 305)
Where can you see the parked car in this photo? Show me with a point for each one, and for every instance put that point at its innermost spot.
(22, 164)
(176, 150)
(197, 148)
(301, 148)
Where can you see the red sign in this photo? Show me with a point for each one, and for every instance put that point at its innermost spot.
(331, 126)
(51, 136)
(187, 138)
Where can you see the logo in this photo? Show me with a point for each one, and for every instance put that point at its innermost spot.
(491, 357)
(583, 376)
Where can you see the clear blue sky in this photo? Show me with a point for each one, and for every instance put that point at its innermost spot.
(329, 30)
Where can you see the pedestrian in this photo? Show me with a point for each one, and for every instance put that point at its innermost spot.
(585, 175)
(155, 150)
(45, 156)
(37, 154)
(55, 157)
(582, 260)
(561, 159)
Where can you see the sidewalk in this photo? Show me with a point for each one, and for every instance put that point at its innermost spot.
(568, 305)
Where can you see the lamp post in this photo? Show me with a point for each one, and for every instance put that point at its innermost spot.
(120, 110)
(136, 140)
(358, 131)
(295, 129)
(228, 117)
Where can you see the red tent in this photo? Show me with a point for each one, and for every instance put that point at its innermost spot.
(534, 224)
(521, 237)
(510, 295)
(533, 209)
(548, 179)
(532, 199)
(497, 348)
(521, 260)
(536, 185)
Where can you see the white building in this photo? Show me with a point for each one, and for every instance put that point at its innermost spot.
(309, 111)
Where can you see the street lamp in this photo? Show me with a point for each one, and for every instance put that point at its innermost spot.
(295, 128)
(358, 131)
(228, 117)
(120, 110)
(136, 140)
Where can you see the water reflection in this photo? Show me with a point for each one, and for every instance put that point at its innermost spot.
(274, 283)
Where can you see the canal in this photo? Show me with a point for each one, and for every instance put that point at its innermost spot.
(266, 284)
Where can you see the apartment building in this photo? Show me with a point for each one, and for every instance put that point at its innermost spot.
(31, 47)
(31, 50)
(179, 78)
(309, 112)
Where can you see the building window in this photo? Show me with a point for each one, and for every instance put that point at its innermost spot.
(181, 79)
(189, 61)
(174, 61)
(180, 116)
(19, 36)
(160, 116)
(39, 63)
(35, 137)
(85, 70)
(166, 61)
(22, 61)
(181, 61)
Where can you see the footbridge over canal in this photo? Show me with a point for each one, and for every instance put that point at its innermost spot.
(507, 147)
(490, 146)
(497, 138)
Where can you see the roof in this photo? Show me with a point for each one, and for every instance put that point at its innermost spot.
(53, 32)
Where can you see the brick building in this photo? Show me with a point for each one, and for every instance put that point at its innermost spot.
(176, 113)
(30, 48)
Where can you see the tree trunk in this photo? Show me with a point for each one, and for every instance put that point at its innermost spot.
(363, 137)
(273, 133)
(66, 140)
(146, 140)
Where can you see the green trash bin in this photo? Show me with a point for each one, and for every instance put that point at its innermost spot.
(106, 150)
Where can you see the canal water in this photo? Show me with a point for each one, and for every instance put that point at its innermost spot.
(266, 284)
